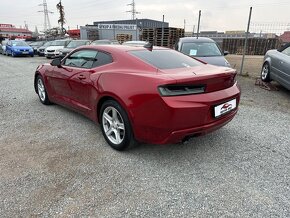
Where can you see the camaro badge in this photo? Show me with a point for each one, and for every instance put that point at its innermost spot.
(226, 107)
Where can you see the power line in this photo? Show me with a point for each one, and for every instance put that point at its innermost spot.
(133, 10)
(46, 17)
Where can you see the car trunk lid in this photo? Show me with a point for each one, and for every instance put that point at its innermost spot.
(211, 77)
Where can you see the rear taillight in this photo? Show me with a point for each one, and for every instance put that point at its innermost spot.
(175, 90)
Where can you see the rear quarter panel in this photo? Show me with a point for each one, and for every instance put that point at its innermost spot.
(137, 93)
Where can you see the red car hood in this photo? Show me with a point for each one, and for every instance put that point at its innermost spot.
(213, 77)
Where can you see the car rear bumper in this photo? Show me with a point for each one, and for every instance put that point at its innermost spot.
(180, 135)
(177, 118)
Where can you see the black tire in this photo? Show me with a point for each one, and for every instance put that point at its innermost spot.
(265, 73)
(41, 90)
(119, 121)
(32, 55)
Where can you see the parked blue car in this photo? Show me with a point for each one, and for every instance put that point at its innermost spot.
(18, 48)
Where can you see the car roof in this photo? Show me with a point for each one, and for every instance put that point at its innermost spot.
(80, 40)
(195, 39)
(103, 40)
(62, 40)
(19, 41)
(118, 48)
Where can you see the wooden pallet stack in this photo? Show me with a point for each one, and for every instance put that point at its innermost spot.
(148, 35)
(170, 36)
(124, 37)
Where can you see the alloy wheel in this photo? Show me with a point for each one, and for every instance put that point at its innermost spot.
(265, 72)
(41, 90)
(113, 125)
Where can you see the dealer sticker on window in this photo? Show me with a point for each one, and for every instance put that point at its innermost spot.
(225, 107)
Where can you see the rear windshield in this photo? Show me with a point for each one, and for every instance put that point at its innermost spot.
(166, 59)
(200, 49)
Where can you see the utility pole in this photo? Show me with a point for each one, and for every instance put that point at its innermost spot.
(184, 23)
(162, 31)
(133, 10)
(61, 19)
(137, 38)
(246, 42)
(25, 25)
(46, 17)
(198, 25)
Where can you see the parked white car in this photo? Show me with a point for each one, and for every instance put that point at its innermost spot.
(54, 50)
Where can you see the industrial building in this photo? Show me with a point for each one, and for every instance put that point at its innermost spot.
(8, 31)
(122, 30)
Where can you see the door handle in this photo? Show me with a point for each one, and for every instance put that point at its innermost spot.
(81, 77)
(281, 62)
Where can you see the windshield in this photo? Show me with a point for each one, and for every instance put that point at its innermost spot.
(19, 43)
(165, 59)
(58, 43)
(201, 49)
(47, 43)
(36, 43)
(74, 44)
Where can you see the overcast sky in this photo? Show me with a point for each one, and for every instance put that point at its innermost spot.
(218, 15)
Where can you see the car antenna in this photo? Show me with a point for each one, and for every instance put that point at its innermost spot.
(149, 46)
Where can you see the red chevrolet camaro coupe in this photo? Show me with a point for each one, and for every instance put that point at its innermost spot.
(141, 94)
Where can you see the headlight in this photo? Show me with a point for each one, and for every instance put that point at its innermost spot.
(15, 49)
(175, 90)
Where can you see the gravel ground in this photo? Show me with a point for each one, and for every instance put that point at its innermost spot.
(55, 162)
(252, 64)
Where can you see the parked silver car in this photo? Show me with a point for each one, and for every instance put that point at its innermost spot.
(72, 45)
(203, 48)
(276, 66)
(40, 50)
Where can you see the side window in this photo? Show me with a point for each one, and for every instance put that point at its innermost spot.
(82, 59)
(286, 51)
(102, 59)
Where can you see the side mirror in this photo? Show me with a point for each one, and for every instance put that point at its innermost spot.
(226, 53)
(56, 62)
